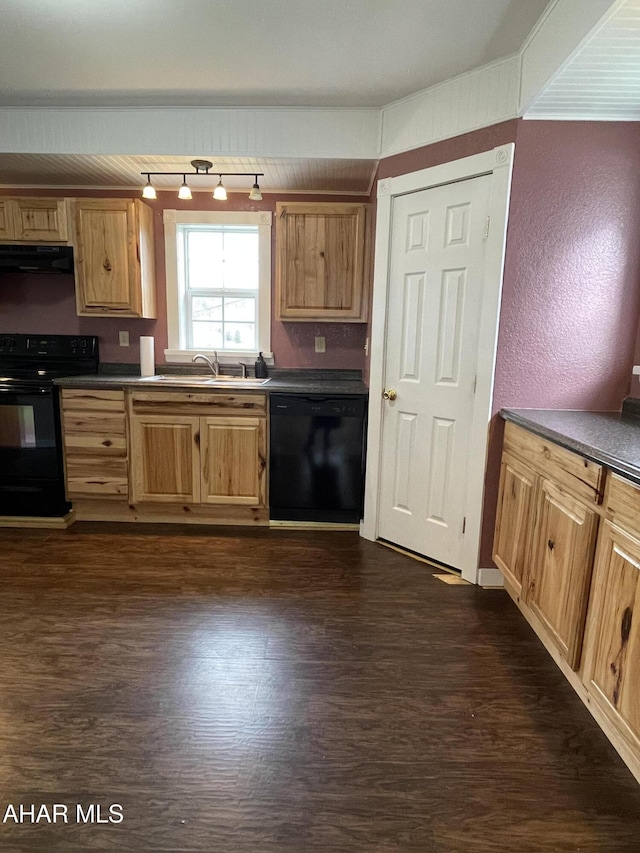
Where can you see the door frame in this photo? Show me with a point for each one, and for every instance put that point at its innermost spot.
(498, 163)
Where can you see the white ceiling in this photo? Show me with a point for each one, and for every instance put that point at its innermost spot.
(259, 53)
(348, 53)
(354, 59)
(604, 75)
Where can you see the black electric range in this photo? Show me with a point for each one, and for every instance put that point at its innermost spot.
(31, 464)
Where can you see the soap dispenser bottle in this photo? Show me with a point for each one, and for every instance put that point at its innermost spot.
(261, 367)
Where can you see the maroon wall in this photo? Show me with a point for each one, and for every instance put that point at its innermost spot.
(46, 304)
(571, 295)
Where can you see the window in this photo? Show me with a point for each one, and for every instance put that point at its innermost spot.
(218, 283)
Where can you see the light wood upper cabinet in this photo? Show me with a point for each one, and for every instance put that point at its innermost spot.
(612, 644)
(320, 262)
(560, 568)
(114, 258)
(33, 220)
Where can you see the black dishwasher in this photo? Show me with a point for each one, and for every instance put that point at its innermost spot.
(317, 457)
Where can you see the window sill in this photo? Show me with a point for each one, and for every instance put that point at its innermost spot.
(185, 356)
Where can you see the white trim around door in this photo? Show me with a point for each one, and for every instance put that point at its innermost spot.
(497, 163)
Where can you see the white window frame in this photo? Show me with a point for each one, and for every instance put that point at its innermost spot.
(177, 350)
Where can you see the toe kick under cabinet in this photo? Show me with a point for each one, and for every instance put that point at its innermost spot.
(195, 457)
(567, 542)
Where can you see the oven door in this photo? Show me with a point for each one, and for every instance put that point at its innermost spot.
(31, 475)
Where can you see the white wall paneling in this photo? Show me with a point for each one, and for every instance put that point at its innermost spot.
(477, 99)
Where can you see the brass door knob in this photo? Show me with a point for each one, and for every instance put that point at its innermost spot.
(389, 395)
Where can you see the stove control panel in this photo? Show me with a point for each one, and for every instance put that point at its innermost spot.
(49, 346)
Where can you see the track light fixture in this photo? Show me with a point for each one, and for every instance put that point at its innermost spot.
(203, 167)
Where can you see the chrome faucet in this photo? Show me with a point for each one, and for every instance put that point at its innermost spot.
(214, 365)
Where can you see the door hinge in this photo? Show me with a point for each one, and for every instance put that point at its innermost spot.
(475, 383)
(464, 524)
(486, 227)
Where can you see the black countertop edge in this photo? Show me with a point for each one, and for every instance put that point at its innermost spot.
(611, 439)
(298, 385)
(109, 368)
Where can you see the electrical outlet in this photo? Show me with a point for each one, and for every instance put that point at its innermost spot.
(123, 339)
(321, 343)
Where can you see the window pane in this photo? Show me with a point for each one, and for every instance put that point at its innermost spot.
(240, 260)
(241, 309)
(204, 259)
(206, 308)
(239, 336)
(206, 335)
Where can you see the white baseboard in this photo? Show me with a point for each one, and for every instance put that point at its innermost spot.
(490, 578)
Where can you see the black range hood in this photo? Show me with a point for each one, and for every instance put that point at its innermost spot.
(36, 259)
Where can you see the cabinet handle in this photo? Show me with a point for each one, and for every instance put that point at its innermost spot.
(551, 544)
(107, 265)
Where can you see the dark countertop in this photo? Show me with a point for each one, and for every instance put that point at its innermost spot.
(609, 438)
(305, 384)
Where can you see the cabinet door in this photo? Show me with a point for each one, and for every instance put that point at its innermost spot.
(320, 262)
(40, 219)
(514, 523)
(7, 227)
(612, 646)
(107, 268)
(165, 459)
(233, 461)
(559, 576)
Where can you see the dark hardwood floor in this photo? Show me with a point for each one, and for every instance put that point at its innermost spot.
(251, 690)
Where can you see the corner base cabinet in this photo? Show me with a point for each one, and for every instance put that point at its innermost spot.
(567, 541)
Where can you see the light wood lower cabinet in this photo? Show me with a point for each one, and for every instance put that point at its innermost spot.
(198, 449)
(612, 644)
(514, 522)
(560, 567)
(568, 543)
(95, 444)
(545, 534)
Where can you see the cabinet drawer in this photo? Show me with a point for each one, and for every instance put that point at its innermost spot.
(88, 444)
(570, 470)
(96, 476)
(197, 403)
(623, 504)
(102, 425)
(89, 398)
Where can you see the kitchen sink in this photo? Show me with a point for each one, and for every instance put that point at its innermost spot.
(208, 379)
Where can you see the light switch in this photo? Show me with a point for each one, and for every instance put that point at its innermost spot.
(123, 339)
(321, 343)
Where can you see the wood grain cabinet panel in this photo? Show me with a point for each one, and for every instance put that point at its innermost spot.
(114, 258)
(320, 262)
(95, 444)
(612, 646)
(165, 463)
(514, 525)
(198, 448)
(559, 574)
(234, 461)
(34, 220)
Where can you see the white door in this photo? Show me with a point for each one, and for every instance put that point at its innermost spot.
(433, 316)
